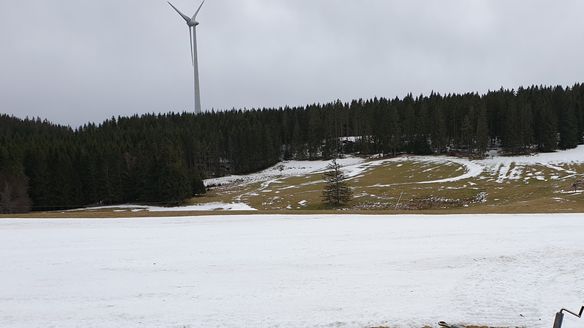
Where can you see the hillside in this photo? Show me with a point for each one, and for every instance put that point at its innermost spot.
(539, 183)
(441, 184)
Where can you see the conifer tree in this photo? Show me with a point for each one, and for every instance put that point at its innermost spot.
(336, 191)
(467, 133)
(568, 127)
(13, 191)
(482, 132)
(546, 133)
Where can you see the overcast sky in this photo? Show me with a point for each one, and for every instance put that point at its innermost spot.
(75, 61)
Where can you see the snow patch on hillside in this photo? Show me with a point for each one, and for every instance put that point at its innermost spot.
(190, 208)
(512, 167)
(282, 170)
(503, 167)
(575, 155)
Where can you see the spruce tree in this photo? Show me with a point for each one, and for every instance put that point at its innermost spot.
(482, 133)
(336, 191)
(14, 191)
(467, 134)
(546, 133)
(568, 127)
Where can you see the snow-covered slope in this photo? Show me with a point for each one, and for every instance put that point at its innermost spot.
(284, 271)
(283, 170)
(501, 166)
(495, 164)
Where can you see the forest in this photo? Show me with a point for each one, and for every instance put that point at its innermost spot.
(163, 158)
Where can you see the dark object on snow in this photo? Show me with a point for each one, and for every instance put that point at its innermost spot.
(560, 316)
(559, 320)
(578, 184)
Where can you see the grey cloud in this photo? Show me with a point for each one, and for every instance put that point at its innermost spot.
(78, 61)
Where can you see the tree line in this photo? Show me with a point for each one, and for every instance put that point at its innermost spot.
(163, 158)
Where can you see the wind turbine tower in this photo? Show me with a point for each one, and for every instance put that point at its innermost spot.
(192, 24)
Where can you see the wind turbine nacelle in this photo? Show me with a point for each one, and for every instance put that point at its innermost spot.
(193, 23)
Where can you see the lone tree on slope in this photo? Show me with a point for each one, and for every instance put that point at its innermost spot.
(336, 191)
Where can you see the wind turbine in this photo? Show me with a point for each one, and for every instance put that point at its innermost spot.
(192, 23)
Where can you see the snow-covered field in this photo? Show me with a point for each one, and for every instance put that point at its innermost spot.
(291, 271)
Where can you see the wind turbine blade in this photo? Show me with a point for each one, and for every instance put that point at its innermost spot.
(192, 53)
(199, 9)
(185, 17)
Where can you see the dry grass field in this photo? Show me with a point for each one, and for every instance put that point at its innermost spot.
(380, 189)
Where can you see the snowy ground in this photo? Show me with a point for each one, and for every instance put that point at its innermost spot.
(291, 271)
